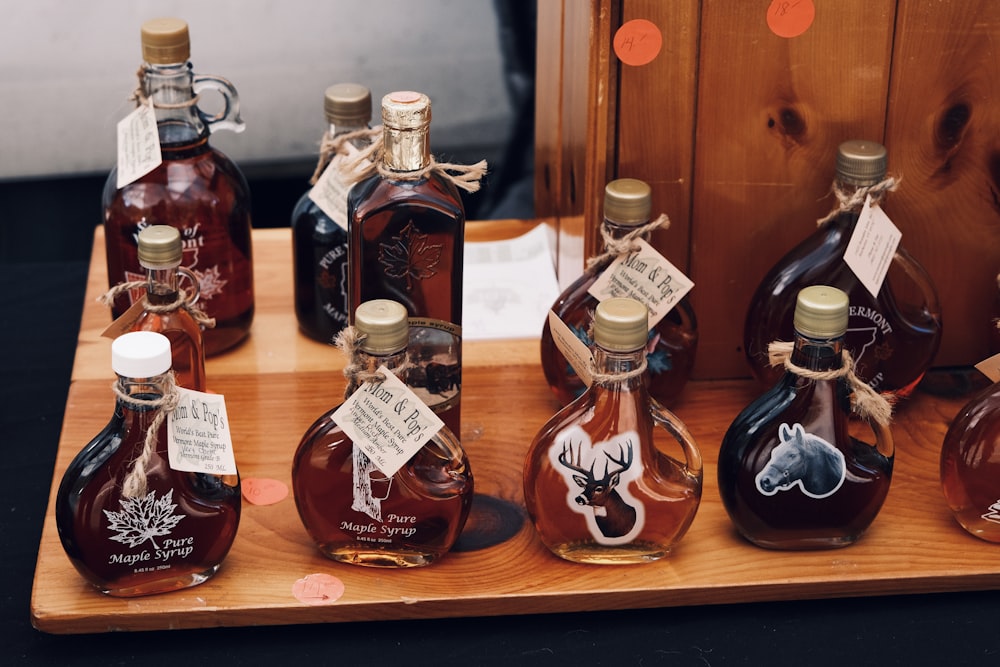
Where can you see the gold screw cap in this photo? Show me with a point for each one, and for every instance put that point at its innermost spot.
(386, 325)
(861, 163)
(821, 312)
(627, 201)
(165, 41)
(160, 247)
(621, 324)
(348, 104)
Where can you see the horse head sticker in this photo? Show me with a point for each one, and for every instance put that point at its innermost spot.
(804, 460)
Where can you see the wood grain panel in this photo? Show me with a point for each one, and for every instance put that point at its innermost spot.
(943, 137)
(771, 113)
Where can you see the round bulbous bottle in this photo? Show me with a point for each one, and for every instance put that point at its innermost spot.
(794, 471)
(166, 531)
(671, 344)
(893, 337)
(354, 512)
(196, 189)
(970, 465)
(599, 483)
(319, 233)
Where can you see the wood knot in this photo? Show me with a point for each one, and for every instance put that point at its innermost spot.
(951, 126)
(789, 123)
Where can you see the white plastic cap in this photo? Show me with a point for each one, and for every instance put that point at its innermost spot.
(140, 354)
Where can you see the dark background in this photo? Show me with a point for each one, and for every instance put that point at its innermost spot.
(46, 228)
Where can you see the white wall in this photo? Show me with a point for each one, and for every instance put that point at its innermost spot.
(68, 66)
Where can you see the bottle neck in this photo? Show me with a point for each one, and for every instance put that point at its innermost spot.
(161, 285)
(850, 192)
(615, 369)
(818, 354)
(368, 364)
(406, 150)
(171, 88)
(618, 230)
(336, 129)
(144, 389)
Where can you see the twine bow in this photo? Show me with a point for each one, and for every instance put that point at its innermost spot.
(337, 145)
(850, 198)
(182, 301)
(865, 401)
(349, 342)
(616, 247)
(134, 484)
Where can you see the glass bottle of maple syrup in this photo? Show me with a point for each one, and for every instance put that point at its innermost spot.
(894, 337)
(599, 483)
(132, 529)
(319, 219)
(353, 511)
(166, 307)
(672, 342)
(970, 465)
(407, 227)
(794, 472)
(196, 189)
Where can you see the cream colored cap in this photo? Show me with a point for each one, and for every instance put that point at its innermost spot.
(140, 354)
(386, 325)
(861, 162)
(621, 324)
(406, 110)
(627, 201)
(821, 312)
(348, 103)
(165, 41)
(160, 247)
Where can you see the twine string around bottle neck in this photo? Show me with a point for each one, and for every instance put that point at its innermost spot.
(331, 145)
(140, 98)
(134, 484)
(865, 401)
(854, 197)
(182, 300)
(616, 247)
(349, 341)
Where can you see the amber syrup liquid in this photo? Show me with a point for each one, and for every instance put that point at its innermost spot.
(970, 465)
(893, 338)
(423, 507)
(670, 352)
(407, 244)
(185, 336)
(791, 519)
(320, 268)
(667, 491)
(202, 193)
(175, 537)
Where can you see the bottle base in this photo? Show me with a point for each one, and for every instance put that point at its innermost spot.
(174, 582)
(602, 554)
(804, 543)
(384, 559)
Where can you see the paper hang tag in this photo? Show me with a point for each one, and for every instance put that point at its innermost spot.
(872, 246)
(138, 145)
(990, 368)
(387, 421)
(646, 276)
(123, 324)
(576, 351)
(331, 189)
(198, 435)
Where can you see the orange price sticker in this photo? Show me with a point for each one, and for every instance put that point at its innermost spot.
(790, 18)
(263, 491)
(637, 42)
(318, 589)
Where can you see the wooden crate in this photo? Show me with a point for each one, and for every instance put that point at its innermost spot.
(736, 129)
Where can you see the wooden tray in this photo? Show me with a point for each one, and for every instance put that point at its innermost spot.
(278, 382)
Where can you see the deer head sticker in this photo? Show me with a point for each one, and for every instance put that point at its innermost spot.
(597, 479)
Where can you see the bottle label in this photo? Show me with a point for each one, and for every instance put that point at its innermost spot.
(435, 349)
(646, 276)
(802, 460)
(198, 435)
(331, 189)
(597, 478)
(574, 344)
(387, 422)
(138, 145)
(148, 522)
(123, 324)
(872, 246)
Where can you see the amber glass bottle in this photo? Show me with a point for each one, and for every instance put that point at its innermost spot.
(893, 338)
(599, 484)
(160, 254)
(196, 189)
(353, 512)
(407, 227)
(319, 239)
(177, 529)
(793, 472)
(970, 465)
(672, 343)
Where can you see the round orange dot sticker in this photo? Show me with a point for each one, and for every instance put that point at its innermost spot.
(637, 42)
(318, 589)
(263, 491)
(790, 18)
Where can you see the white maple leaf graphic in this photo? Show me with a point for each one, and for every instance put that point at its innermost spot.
(210, 282)
(143, 519)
